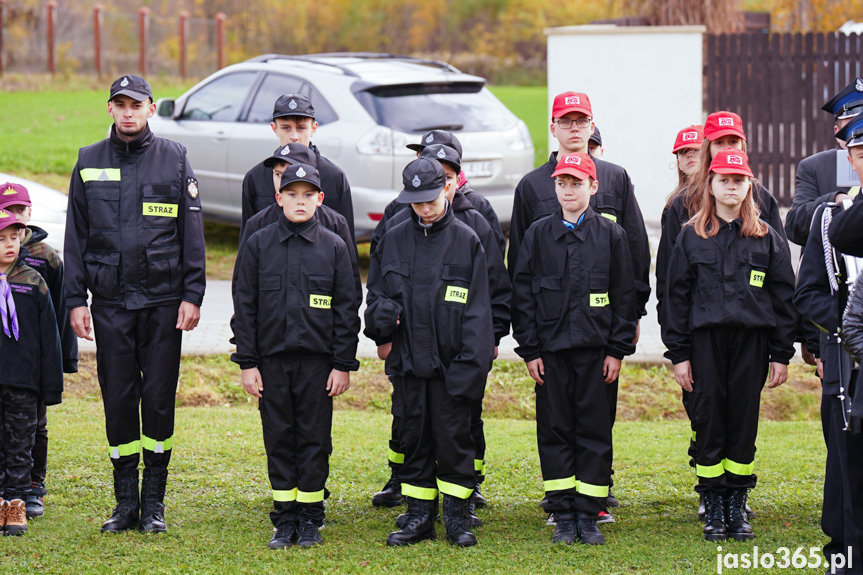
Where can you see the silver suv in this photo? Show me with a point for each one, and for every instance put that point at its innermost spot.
(368, 108)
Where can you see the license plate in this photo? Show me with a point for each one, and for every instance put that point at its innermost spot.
(477, 169)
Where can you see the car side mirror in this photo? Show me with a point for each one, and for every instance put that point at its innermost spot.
(165, 107)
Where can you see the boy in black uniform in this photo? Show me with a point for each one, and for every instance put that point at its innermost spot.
(499, 293)
(574, 319)
(135, 241)
(296, 325)
(43, 258)
(32, 370)
(428, 295)
(294, 121)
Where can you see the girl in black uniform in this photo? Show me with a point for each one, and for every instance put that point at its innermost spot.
(727, 318)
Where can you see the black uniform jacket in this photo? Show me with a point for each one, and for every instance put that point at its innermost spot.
(574, 288)
(852, 324)
(295, 296)
(134, 228)
(729, 281)
(536, 197)
(33, 361)
(45, 260)
(675, 216)
(259, 191)
(499, 284)
(814, 184)
(815, 300)
(428, 294)
(328, 218)
(846, 230)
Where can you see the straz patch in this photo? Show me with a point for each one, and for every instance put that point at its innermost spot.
(599, 300)
(321, 301)
(164, 210)
(611, 217)
(756, 278)
(192, 187)
(456, 294)
(18, 288)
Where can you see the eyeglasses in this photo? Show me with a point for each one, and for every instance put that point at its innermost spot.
(566, 123)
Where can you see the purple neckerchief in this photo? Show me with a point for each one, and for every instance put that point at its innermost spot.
(7, 308)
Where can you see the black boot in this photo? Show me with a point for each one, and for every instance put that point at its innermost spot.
(435, 514)
(737, 524)
(391, 494)
(477, 498)
(565, 530)
(310, 521)
(472, 519)
(455, 520)
(588, 532)
(125, 514)
(714, 517)
(153, 500)
(419, 525)
(702, 510)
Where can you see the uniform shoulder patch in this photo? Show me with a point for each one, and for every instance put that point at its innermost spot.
(192, 187)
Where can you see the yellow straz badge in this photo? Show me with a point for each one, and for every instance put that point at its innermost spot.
(321, 301)
(611, 217)
(756, 278)
(599, 300)
(456, 294)
(164, 210)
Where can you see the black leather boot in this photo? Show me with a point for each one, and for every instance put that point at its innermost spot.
(455, 519)
(153, 500)
(125, 514)
(472, 519)
(477, 497)
(435, 514)
(391, 494)
(714, 517)
(564, 529)
(736, 522)
(419, 525)
(588, 532)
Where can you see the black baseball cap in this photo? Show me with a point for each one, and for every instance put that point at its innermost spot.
(437, 137)
(596, 137)
(293, 153)
(300, 173)
(443, 153)
(293, 105)
(423, 179)
(847, 103)
(133, 86)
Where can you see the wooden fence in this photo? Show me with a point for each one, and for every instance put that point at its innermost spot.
(778, 83)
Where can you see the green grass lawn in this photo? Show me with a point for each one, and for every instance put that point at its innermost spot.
(218, 499)
(530, 104)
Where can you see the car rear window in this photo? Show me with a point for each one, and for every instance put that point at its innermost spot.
(462, 106)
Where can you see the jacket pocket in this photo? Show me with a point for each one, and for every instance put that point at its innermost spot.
(160, 207)
(396, 276)
(456, 281)
(103, 205)
(320, 295)
(102, 273)
(165, 277)
(758, 264)
(269, 296)
(548, 292)
(608, 206)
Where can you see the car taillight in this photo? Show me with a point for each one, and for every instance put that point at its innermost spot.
(376, 217)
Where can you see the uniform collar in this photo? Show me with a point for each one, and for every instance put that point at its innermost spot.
(560, 230)
(438, 225)
(733, 225)
(288, 229)
(460, 203)
(136, 146)
(35, 233)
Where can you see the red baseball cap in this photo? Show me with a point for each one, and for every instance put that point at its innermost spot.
(14, 195)
(687, 138)
(571, 102)
(720, 124)
(731, 161)
(578, 164)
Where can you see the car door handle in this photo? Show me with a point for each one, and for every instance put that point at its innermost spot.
(220, 136)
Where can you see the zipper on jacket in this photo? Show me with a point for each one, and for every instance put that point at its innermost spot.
(426, 231)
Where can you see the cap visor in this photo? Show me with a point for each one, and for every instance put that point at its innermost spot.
(726, 132)
(16, 223)
(7, 203)
(686, 147)
(289, 114)
(138, 96)
(416, 147)
(273, 160)
(581, 109)
(295, 180)
(418, 196)
(574, 172)
(730, 171)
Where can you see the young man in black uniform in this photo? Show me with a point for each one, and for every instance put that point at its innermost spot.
(499, 292)
(294, 121)
(135, 241)
(575, 261)
(32, 370)
(428, 296)
(43, 258)
(296, 325)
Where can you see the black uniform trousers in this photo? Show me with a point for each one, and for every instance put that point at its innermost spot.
(17, 430)
(437, 443)
(40, 445)
(297, 419)
(396, 455)
(573, 431)
(138, 363)
(477, 432)
(729, 368)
